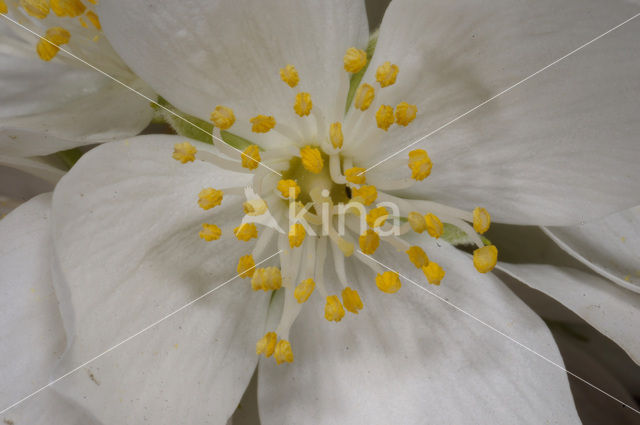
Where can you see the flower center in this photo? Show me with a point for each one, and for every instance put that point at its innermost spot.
(325, 200)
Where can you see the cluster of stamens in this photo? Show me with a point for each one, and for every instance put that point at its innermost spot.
(319, 186)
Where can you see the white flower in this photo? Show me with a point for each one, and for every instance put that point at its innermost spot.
(50, 101)
(125, 219)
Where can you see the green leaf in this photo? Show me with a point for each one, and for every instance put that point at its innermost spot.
(357, 77)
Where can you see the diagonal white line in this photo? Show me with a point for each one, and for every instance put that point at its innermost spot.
(502, 92)
(173, 313)
(213, 136)
(500, 333)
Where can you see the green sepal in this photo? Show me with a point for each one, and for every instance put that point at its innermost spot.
(187, 126)
(357, 77)
(237, 142)
(69, 157)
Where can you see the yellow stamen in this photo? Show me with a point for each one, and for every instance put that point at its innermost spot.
(405, 113)
(355, 175)
(418, 257)
(485, 258)
(296, 235)
(289, 189)
(368, 194)
(56, 35)
(311, 159)
(364, 96)
(283, 352)
(184, 152)
(262, 123)
(209, 198)
(82, 22)
(354, 60)
(3, 7)
(369, 242)
(246, 231)
(335, 134)
(36, 8)
(289, 74)
(303, 104)
(246, 266)
(267, 344)
(267, 279)
(303, 290)
(210, 232)
(333, 310)
(351, 300)
(481, 220)
(70, 8)
(420, 164)
(384, 117)
(433, 272)
(223, 117)
(377, 216)
(346, 247)
(388, 282)
(91, 16)
(251, 157)
(386, 74)
(255, 207)
(417, 222)
(434, 225)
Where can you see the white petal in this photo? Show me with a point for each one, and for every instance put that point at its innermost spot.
(409, 356)
(126, 225)
(558, 149)
(612, 310)
(51, 106)
(35, 166)
(609, 246)
(203, 53)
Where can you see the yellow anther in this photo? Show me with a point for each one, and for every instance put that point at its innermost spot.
(250, 157)
(303, 290)
(346, 247)
(267, 279)
(246, 266)
(351, 300)
(368, 194)
(223, 117)
(91, 16)
(417, 256)
(246, 231)
(420, 164)
(82, 22)
(311, 159)
(417, 222)
(255, 207)
(433, 272)
(36, 8)
(289, 74)
(369, 242)
(296, 235)
(364, 96)
(377, 216)
(262, 123)
(184, 152)
(485, 258)
(70, 8)
(209, 198)
(56, 35)
(289, 189)
(388, 282)
(405, 113)
(355, 175)
(3, 7)
(303, 104)
(283, 352)
(386, 74)
(267, 344)
(210, 232)
(481, 220)
(434, 225)
(335, 134)
(333, 310)
(354, 60)
(384, 117)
